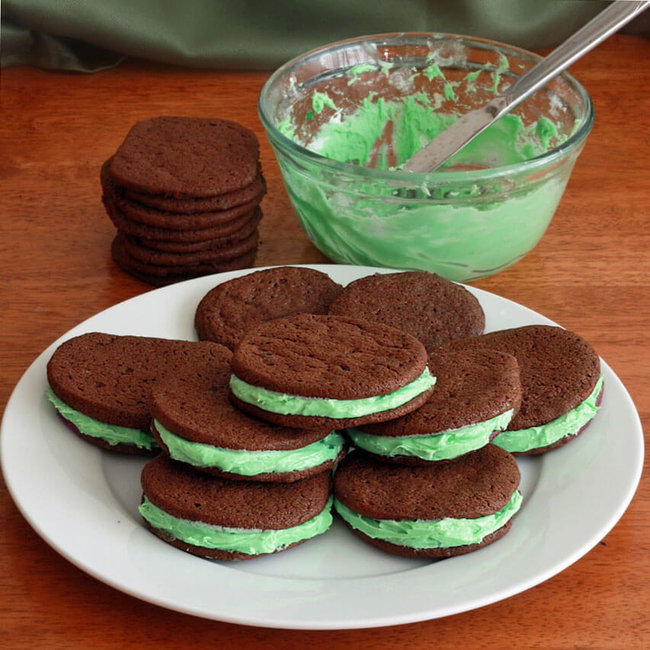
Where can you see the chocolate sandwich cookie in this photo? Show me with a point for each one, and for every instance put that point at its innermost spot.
(231, 520)
(186, 157)
(233, 307)
(195, 423)
(561, 385)
(436, 511)
(477, 393)
(158, 275)
(99, 384)
(141, 213)
(429, 307)
(328, 372)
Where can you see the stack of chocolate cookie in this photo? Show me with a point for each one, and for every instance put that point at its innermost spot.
(184, 195)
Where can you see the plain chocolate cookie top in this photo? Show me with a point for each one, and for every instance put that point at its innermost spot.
(558, 369)
(432, 309)
(471, 486)
(472, 386)
(328, 356)
(186, 157)
(232, 308)
(186, 493)
(194, 405)
(109, 377)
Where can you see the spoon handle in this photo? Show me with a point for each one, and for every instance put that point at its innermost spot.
(469, 125)
(586, 38)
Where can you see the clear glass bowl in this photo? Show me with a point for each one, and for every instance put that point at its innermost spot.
(343, 118)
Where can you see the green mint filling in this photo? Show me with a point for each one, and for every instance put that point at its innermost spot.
(251, 463)
(320, 100)
(110, 433)
(546, 434)
(285, 404)
(437, 533)
(237, 540)
(416, 120)
(433, 447)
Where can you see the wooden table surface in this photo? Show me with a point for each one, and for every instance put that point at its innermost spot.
(590, 274)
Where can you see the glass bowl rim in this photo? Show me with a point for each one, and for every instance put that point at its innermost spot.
(531, 165)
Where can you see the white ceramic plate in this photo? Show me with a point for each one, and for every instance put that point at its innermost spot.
(83, 502)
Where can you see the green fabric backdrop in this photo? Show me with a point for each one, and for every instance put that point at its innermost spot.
(88, 35)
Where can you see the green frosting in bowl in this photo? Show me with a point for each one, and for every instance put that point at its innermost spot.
(343, 120)
(414, 123)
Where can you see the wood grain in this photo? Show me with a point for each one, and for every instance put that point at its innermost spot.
(590, 274)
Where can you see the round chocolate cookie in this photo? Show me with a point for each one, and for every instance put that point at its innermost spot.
(100, 384)
(315, 371)
(231, 520)
(477, 393)
(436, 511)
(226, 202)
(186, 157)
(195, 423)
(159, 275)
(561, 385)
(145, 231)
(213, 244)
(141, 213)
(432, 309)
(233, 307)
(229, 250)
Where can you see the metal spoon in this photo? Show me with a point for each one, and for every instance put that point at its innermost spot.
(468, 126)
